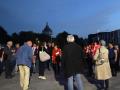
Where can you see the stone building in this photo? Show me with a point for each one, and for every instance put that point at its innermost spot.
(113, 36)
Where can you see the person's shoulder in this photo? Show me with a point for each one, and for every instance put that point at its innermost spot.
(77, 45)
(26, 46)
(6, 47)
(65, 46)
(21, 47)
(105, 48)
(29, 48)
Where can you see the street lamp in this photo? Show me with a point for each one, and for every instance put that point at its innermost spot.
(98, 34)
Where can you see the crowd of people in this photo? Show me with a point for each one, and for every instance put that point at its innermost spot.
(25, 59)
(101, 61)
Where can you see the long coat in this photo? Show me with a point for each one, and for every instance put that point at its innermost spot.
(72, 57)
(103, 71)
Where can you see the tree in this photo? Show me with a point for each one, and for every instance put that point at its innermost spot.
(4, 37)
(44, 38)
(15, 38)
(26, 35)
(61, 39)
(79, 40)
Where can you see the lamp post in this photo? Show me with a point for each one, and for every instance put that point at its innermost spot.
(98, 34)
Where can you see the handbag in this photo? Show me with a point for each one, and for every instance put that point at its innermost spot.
(100, 60)
(44, 56)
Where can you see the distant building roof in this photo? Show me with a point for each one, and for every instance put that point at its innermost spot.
(47, 30)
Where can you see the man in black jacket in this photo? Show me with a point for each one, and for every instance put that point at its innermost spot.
(72, 56)
(7, 59)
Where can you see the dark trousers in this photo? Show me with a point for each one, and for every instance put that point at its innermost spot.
(13, 64)
(104, 84)
(48, 64)
(113, 69)
(8, 68)
(33, 69)
(41, 68)
(1, 67)
(90, 67)
(117, 65)
(56, 68)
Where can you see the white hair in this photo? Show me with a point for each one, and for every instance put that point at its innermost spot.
(70, 38)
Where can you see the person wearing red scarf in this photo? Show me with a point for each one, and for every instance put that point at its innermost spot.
(56, 54)
(94, 48)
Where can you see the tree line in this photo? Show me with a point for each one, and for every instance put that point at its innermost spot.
(37, 38)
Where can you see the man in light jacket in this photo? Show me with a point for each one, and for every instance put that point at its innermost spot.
(24, 62)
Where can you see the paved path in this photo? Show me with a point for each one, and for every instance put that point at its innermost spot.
(51, 83)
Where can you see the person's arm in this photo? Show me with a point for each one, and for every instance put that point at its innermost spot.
(63, 57)
(60, 52)
(116, 55)
(104, 56)
(2, 57)
(46, 50)
(96, 55)
(6, 51)
(53, 56)
(30, 55)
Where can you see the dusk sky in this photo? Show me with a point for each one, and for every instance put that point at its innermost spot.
(81, 17)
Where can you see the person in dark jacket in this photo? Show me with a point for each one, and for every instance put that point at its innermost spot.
(1, 59)
(117, 51)
(112, 59)
(7, 60)
(50, 49)
(24, 61)
(42, 64)
(72, 57)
